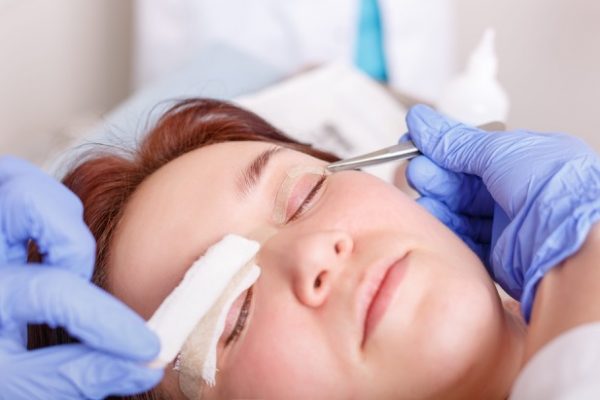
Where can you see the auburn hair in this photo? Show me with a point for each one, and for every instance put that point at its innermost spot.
(105, 180)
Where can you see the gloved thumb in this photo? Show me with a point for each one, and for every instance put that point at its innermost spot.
(448, 143)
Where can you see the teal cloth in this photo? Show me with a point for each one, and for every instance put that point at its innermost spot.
(369, 54)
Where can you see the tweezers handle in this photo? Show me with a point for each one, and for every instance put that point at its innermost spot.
(402, 151)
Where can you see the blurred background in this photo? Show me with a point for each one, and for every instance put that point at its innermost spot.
(66, 63)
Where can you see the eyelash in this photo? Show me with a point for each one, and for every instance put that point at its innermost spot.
(240, 324)
(306, 202)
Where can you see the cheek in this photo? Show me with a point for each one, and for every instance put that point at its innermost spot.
(284, 352)
(360, 201)
(445, 320)
(283, 355)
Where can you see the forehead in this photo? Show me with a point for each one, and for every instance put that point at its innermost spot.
(178, 212)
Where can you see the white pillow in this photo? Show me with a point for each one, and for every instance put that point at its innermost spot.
(217, 71)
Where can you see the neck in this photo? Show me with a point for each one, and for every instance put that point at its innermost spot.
(503, 368)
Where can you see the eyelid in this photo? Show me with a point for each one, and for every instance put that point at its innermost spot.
(242, 318)
(308, 200)
(288, 184)
(233, 315)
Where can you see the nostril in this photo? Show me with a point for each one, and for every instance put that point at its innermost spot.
(339, 247)
(318, 281)
(342, 246)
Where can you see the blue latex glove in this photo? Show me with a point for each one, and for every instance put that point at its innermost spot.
(547, 185)
(114, 340)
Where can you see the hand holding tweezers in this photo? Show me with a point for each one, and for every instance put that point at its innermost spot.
(402, 151)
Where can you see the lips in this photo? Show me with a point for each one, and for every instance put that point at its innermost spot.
(376, 293)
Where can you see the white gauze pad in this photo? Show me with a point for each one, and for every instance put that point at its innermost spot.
(201, 287)
(197, 363)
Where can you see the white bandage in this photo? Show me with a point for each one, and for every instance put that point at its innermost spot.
(201, 288)
(198, 361)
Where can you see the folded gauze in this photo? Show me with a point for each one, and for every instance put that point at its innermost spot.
(192, 318)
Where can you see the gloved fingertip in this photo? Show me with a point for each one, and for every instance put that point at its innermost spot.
(101, 376)
(423, 119)
(147, 378)
(146, 345)
(419, 172)
(434, 207)
(11, 166)
(421, 110)
(424, 124)
(426, 201)
(139, 380)
(404, 138)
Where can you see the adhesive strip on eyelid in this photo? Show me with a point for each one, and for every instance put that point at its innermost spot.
(292, 176)
(262, 234)
(209, 368)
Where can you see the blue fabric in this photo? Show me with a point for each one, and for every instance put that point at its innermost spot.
(369, 52)
(540, 193)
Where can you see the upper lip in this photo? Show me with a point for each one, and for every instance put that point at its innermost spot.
(369, 286)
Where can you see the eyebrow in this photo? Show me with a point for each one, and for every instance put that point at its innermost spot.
(251, 175)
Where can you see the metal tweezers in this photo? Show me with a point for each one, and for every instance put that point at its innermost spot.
(402, 151)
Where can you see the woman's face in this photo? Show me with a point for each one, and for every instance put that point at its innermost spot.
(312, 329)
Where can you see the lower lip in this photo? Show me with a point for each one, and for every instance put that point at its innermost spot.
(384, 296)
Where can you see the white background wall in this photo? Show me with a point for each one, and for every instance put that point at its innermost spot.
(62, 64)
(65, 62)
(549, 60)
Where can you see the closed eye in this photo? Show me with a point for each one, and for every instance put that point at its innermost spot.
(241, 319)
(306, 203)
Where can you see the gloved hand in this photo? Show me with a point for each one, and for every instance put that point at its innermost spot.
(114, 341)
(547, 185)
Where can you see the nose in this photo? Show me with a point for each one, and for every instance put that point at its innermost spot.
(310, 262)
